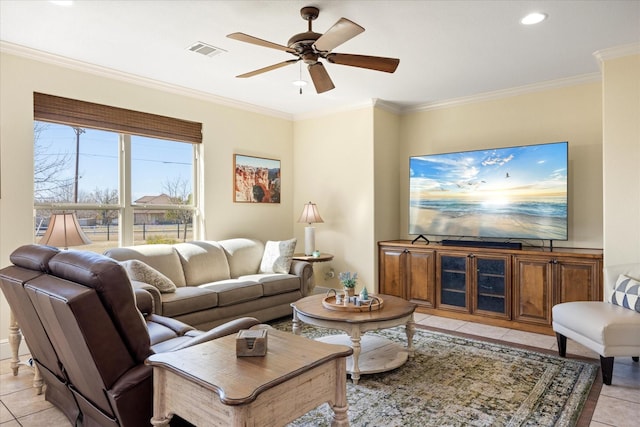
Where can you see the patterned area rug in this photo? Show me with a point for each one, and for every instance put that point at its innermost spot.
(455, 381)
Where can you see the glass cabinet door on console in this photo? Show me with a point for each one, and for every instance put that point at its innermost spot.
(451, 281)
(492, 285)
(477, 284)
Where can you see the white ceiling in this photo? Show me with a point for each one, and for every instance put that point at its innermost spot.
(447, 49)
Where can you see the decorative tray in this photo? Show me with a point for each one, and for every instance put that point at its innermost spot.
(371, 304)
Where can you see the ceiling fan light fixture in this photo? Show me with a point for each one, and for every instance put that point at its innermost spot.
(299, 83)
(533, 18)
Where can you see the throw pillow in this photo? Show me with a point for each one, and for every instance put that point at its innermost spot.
(627, 293)
(142, 272)
(277, 256)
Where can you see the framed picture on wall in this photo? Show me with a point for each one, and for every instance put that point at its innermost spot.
(256, 179)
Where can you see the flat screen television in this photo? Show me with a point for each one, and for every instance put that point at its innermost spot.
(500, 193)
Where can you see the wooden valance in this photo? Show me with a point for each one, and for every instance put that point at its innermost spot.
(50, 108)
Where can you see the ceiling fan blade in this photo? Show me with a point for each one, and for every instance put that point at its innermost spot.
(254, 40)
(320, 77)
(341, 31)
(388, 65)
(269, 68)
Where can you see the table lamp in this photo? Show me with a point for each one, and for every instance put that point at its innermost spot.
(64, 231)
(310, 216)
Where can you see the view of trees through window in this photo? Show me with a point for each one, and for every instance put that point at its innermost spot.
(79, 170)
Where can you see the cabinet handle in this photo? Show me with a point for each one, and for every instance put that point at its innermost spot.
(553, 261)
(471, 256)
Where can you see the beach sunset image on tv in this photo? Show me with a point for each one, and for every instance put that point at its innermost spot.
(515, 192)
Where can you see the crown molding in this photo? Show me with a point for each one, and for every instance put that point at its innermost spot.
(617, 52)
(506, 93)
(49, 58)
(387, 106)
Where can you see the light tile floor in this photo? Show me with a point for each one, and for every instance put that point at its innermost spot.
(618, 404)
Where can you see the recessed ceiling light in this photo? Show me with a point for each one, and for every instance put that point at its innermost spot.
(533, 18)
(62, 2)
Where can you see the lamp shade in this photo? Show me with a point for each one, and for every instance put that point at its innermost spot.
(310, 214)
(64, 231)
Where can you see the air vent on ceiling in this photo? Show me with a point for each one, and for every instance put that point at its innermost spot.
(205, 49)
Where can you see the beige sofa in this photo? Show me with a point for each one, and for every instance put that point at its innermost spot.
(216, 281)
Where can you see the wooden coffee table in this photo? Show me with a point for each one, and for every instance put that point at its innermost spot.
(209, 386)
(371, 354)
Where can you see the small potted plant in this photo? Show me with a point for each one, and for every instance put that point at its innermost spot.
(348, 281)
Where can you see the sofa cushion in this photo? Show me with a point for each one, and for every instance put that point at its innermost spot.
(234, 291)
(626, 293)
(202, 262)
(188, 299)
(162, 257)
(141, 272)
(243, 255)
(277, 256)
(273, 284)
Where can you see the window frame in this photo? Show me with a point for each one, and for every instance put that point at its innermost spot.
(63, 111)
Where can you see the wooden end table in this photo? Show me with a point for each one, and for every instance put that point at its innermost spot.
(371, 354)
(323, 257)
(208, 385)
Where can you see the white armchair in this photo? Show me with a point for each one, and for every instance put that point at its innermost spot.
(606, 328)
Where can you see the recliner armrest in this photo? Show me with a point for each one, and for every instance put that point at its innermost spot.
(177, 326)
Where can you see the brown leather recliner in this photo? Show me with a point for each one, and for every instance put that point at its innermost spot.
(77, 311)
(44, 355)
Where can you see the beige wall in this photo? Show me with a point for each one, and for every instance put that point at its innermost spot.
(571, 114)
(386, 179)
(333, 157)
(621, 152)
(225, 131)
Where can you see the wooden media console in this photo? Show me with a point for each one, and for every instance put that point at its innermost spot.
(513, 288)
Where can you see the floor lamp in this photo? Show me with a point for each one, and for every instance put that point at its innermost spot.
(63, 231)
(310, 215)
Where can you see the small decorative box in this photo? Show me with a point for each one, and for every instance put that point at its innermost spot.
(251, 342)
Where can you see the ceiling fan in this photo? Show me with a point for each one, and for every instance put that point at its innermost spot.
(310, 47)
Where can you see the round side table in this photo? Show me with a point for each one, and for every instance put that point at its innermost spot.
(310, 258)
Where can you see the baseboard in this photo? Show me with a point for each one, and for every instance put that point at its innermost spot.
(482, 244)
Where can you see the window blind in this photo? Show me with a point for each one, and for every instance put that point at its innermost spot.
(50, 108)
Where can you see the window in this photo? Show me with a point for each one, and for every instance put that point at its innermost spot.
(125, 188)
